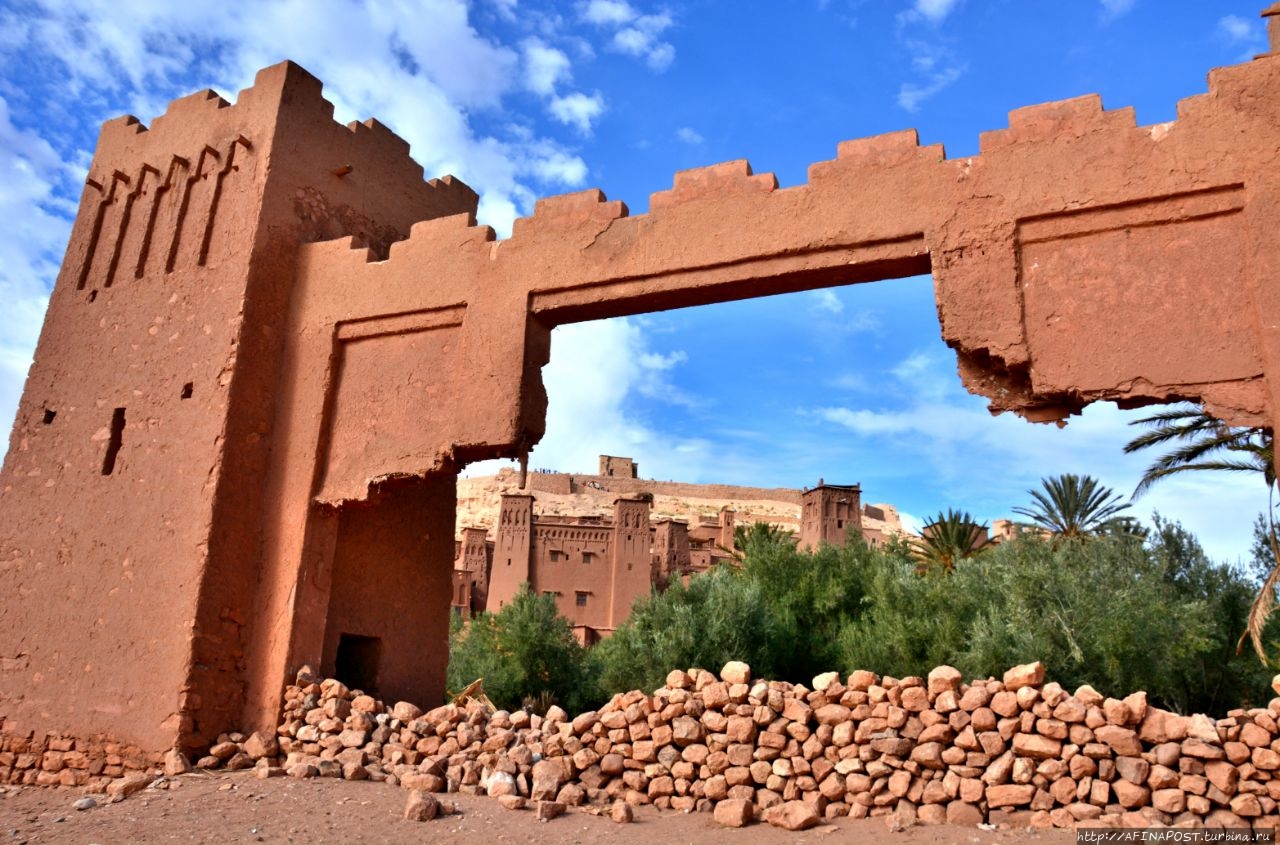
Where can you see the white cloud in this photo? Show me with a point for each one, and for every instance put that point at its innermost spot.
(854, 382)
(37, 221)
(635, 34)
(577, 110)
(825, 299)
(660, 57)
(933, 61)
(506, 8)
(1112, 9)
(545, 67)
(935, 10)
(911, 522)
(595, 368)
(912, 94)
(1236, 28)
(612, 12)
(689, 136)
(1248, 35)
(658, 361)
(986, 464)
(555, 167)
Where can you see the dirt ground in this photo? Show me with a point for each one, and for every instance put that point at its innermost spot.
(236, 807)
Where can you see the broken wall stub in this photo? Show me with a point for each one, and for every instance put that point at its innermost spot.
(212, 534)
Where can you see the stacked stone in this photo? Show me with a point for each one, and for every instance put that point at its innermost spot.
(927, 750)
(56, 760)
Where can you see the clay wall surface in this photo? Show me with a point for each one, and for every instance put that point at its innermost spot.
(111, 477)
(620, 467)
(569, 559)
(550, 482)
(382, 585)
(356, 181)
(594, 569)
(631, 571)
(671, 545)
(632, 486)
(1027, 243)
(471, 577)
(828, 513)
(132, 483)
(513, 544)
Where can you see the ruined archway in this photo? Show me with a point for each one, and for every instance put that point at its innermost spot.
(331, 390)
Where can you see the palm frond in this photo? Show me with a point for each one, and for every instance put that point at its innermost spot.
(1072, 506)
(948, 539)
(1198, 436)
(1263, 603)
(1155, 473)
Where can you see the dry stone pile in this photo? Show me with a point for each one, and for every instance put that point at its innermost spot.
(914, 750)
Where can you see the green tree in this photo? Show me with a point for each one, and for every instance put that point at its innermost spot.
(1214, 678)
(525, 650)
(759, 535)
(1072, 506)
(948, 539)
(718, 616)
(1199, 442)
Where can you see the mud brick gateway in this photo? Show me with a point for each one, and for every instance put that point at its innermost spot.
(272, 346)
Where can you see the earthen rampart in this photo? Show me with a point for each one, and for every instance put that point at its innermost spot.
(565, 483)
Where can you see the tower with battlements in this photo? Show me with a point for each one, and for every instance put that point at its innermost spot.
(135, 490)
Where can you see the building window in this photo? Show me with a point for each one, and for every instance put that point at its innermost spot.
(586, 558)
(555, 556)
(839, 523)
(581, 599)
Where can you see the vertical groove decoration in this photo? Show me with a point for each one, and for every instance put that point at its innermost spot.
(188, 185)
(94, 232)
(163, 222)
(142, 211)
(229, 167)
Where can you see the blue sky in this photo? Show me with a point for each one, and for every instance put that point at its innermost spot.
(525, 99)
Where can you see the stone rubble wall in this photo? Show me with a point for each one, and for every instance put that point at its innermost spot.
(58, 760)
(1014, 751)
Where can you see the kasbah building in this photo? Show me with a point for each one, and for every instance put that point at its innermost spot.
(596, 543)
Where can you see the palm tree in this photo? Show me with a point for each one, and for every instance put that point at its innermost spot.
(949, 539)
(759, 535)
(1203, 442)
(1073, 506)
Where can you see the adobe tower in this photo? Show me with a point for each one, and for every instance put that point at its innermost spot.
(133, 493)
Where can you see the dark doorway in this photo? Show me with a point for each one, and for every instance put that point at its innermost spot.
(356, 664)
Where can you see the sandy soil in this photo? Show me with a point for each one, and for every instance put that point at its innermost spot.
(236, 807)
